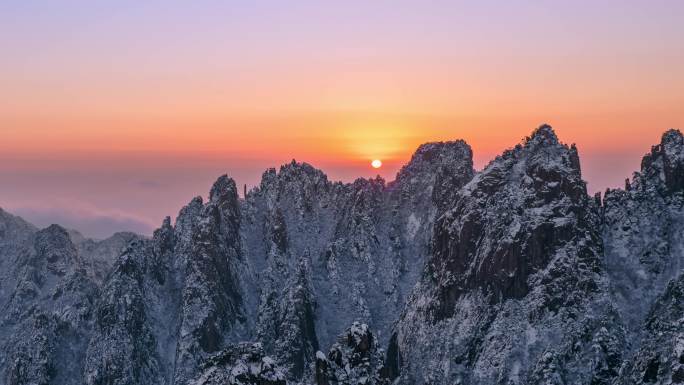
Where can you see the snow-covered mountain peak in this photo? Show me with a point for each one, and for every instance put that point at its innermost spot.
(541, 169)
(430, 156)
(166, 223)
(673, 151)
(54, 243)
(663, 167)
(301, 172)
(224, 190)
(433, 155)
(532, 189)
(542, 134)
(520, 242)
(674, 138)
(433, 172)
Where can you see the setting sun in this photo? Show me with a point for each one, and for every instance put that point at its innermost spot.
(377, 163)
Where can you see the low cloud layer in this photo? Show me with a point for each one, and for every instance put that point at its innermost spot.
(90, 222)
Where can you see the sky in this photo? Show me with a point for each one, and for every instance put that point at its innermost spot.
(115, 114)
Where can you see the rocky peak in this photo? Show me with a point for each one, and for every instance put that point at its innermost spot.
(223, 191)
(673, 138)
(293, 173)
(54, 245)
(297, 188)
(434, 174)
(544, 140)
(295, 168)
(510, 221)
(187, 219)
(665, 164)
(164, 237)
(223, 206)
(53, 235)
(166, 224)
(543, 134)
(517, 253)
(431, 156)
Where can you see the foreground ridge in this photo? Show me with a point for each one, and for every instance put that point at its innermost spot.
(511, 275)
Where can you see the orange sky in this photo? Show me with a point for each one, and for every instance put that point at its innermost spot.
(126, 111)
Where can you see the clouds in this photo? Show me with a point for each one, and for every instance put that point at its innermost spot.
(90, 221)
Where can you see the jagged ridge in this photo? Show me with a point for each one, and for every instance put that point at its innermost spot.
(512, 275)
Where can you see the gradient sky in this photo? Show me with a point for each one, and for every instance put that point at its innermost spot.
(115, 114)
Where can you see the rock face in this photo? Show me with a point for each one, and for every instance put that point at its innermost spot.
(512, 275)
(660, 358)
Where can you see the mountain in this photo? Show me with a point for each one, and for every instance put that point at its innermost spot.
(510, 275)
(513, 289)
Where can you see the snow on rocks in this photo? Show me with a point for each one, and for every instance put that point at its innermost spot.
(354, 360)
(660, 358)
(48, 290)
(241, 364)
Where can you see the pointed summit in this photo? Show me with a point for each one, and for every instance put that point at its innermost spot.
(54, 246)
(164, 236)
(167, 222)
(54, 234)
(673, 144)
(223, 189)
(432, 155)
(296, 169)
(673, 135)
(543, 134)
(665, 163)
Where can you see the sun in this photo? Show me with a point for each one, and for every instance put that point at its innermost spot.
(377, 163)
